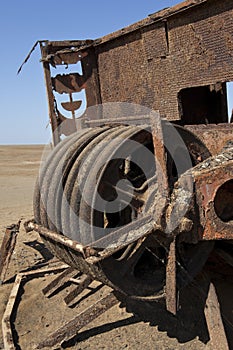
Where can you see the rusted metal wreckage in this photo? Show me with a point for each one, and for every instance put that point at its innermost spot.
(170, 208)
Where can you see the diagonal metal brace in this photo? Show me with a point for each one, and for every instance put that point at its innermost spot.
(71, 328)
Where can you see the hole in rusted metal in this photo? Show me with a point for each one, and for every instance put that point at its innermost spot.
(203, 104)
(223, 202)
(68, 89)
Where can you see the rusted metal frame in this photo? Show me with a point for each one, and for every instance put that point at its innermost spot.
(69, 43)
(49, 47)
(207, 181)
(214, 322)
(61, 52)
(90, 75)
(85, 251)
(55, 116)
(122, 237)
(170, 289)
(108, 244)
(161, 171)
(72, 104)
(6, 320)
(71, 328)
(83, 283)
(7, 248)
(59, 281)
(209, 133)
(65, 58)
(67, 46)
(96, 122)
(56, 57)
(90, 71)
(8, 340)
(50, 97)
(159, 152)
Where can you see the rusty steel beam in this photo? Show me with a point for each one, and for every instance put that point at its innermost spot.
(7, 248)
(162, 178)
(127, 120)
(208, 134)
(71, 328)
(59, 281)
(160, 154)
(8, 339)
(214, 322)
(109, 244)
(6, 320)
(85, 251)
(83, 283)
(51, 107)
(129, 233)
(171, 302)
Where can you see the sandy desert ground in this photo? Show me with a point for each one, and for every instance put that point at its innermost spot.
(36, 316)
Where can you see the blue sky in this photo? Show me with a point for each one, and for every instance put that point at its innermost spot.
(24, 115)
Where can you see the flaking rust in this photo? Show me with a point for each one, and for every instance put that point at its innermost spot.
(175, 62)
(193, 98)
